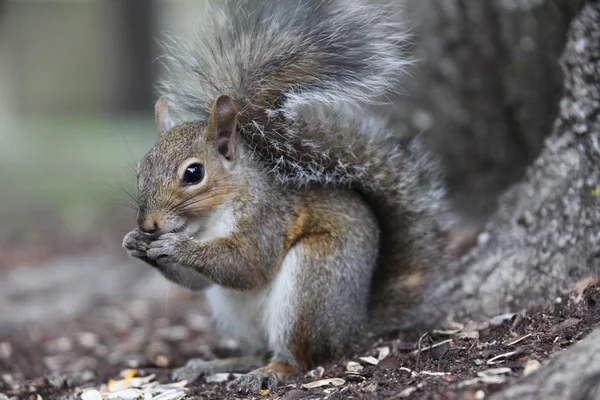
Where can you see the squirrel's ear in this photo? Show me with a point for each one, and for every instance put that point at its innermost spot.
(161, 114)
(223, 121)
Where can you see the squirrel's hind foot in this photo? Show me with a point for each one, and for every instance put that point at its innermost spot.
(267, 377)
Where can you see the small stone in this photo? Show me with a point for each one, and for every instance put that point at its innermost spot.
(316, 373)
(354, 367)
(531, 366)
(324, 382)
(479, 395)
(383, 352)
(91, 395)
(369, 360)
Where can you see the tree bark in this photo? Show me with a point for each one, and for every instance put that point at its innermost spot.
(485, 90)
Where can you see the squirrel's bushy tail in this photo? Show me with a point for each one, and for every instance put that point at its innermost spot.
(274, 56)
(301, 73)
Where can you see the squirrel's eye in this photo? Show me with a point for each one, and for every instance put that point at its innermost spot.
(193, 174)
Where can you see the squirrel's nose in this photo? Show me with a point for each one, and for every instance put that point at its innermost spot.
(149, 226)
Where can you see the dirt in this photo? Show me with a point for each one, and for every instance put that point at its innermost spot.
(57, 360)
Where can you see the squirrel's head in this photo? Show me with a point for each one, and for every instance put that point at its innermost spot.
(188, 172)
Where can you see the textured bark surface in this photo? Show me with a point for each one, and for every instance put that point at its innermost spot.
(486, 90)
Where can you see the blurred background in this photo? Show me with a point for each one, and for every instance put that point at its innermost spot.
(76, 101)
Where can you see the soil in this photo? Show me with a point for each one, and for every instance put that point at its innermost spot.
(57, 360)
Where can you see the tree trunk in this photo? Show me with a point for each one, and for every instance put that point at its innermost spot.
(486, 89)
(546, 233)
(545, 236)
(140, 50)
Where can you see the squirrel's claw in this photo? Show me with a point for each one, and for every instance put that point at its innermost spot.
(253, 382)
(136, 243)
(165, 249)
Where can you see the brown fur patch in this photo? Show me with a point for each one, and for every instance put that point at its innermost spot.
(297, 230)
(280, 368)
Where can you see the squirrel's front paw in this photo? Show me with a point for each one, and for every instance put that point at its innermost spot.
(167, 248)
(136, 243)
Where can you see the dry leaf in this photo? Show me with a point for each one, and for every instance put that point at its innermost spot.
(369, 360)
(355, 367)
(324, 382)
(316, 373)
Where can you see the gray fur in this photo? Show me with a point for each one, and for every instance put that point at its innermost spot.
(301, 73)
(343, 51)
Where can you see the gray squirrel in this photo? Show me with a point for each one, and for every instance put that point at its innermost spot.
(274, 183)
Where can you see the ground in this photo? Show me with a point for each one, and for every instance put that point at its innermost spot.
(58, 359)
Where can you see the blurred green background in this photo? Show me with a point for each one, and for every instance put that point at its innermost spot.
(76, 100)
